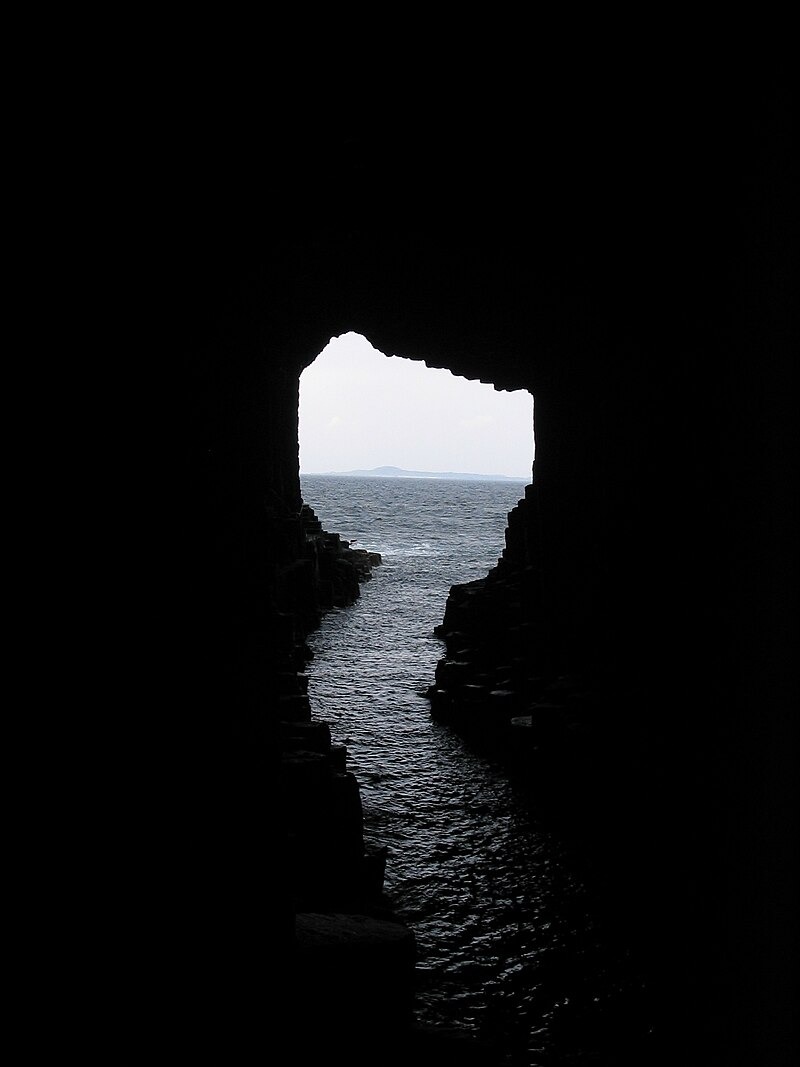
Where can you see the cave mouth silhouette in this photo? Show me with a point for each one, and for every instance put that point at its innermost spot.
(360, 409)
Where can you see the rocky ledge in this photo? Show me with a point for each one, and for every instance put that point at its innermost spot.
(351, 961)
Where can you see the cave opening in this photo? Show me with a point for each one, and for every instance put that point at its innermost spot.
(416, 465)
(463, 855)
(409, 461)
(363, 410)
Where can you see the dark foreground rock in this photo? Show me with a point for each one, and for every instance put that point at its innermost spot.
(355, 975)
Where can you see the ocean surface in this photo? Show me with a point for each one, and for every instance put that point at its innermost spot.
(508, 947)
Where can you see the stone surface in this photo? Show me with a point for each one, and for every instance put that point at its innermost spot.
(358, 972)
(634, 278)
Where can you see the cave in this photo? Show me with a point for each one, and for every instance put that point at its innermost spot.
(634, 283)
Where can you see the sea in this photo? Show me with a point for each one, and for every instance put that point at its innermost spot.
(509, 949)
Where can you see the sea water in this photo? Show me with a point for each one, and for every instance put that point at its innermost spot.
(508, 946)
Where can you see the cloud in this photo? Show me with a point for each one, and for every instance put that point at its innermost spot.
(337, 420)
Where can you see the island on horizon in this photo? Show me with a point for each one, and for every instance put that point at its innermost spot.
(398, 472)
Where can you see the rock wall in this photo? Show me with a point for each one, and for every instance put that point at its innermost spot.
(641, 622)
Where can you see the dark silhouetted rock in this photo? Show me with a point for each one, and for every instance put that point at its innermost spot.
(617, 243)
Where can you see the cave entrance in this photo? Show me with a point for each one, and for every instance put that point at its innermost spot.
(414, 463)
(362, 410)
(424, 469)
(454, 842)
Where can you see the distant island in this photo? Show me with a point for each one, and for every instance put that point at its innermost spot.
(398, 472)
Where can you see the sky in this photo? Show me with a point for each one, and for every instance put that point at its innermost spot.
(360, 409)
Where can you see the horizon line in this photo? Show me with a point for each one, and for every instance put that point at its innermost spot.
(398, 472)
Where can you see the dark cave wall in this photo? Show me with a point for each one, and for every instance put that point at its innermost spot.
(650, 327)
(649, 505)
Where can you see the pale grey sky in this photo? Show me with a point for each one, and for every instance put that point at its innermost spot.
(360, 409)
